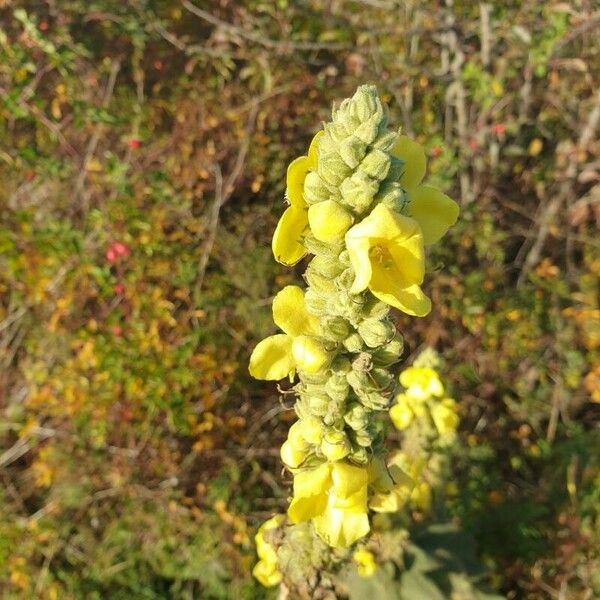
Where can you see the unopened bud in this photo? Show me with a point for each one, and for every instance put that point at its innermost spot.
(311, 429)
(352, 150)
(376, 164)
(390, 353)
(335, 445)
(291, 457)
(353, 343)
(315, 189)
(357, 416)
(358, 191)
(310, 354)
(336, 328)
(376, 333)
(329, 221)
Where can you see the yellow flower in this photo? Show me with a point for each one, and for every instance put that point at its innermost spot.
(334, 496)
(434, 211)
(365, 562)
(421, 383)
(273, 358)
(386, 253)
(401, 413)
(328, 220)
(391, 485)
(444, 416)
(287, 239)
(265, 569)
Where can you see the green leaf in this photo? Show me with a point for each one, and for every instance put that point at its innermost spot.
(414, 585)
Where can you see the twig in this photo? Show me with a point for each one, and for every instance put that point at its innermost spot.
(257, 38)
(484, 16)
(564, 192)
(222, 194)
(93, 143)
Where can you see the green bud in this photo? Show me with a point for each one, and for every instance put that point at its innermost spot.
(396, 168)
(315, 246)
(353, 343)
(352, 150)
(376, 164)
(392, 195)
(358, 191)
(319, 282)
(390, 353)
(327, 266)
(333, 170)
(335, 328)
(368, 130)
(357, 416)
(318, 405)
(315, 302)
(315, 189)
(360, 456)
(376, 333)
(337, 387)
(386, 142)
(363, 438)
(375, 401)
(335, 445)
(374, 309)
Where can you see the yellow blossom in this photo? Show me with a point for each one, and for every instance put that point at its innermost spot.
(273, 357)
(265, 569)
(421, 382)
(434, 211)
(391, 486)
(365, 562)
(444, 416)
(334, 496)
(287, 239)
(328, 220)
(387, 255)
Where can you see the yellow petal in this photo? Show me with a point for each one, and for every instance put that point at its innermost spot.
(287, 246)
(313, 150)
(410, 300)
(266, 573)
(290, 314)
(413, 156)
(348, 479)
(272, 358)
(434, 211)
(421, 382)
(341, 527)
(296, 173)
(310, 493)
(365, 562)
(291, 456)
(389, 243)
(402, 415)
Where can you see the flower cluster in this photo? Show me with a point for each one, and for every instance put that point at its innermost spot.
(424, 400)
(358, 206)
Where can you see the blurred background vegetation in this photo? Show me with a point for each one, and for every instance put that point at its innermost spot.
(143, 149)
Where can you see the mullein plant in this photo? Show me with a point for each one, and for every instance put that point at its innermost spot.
(357, 206)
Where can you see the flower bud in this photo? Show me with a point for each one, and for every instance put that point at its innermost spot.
(376, 164)
(315, 189)
(329, 221)
(315, 302)
(291, 457)
(393, 196)
(358, 191)
(335, 445)
(363, 438)
(390, 353)
(337, 387)
(296, 437)
(333, 170)
(318, 281)
(360, 455)
(336, 328)
(376, 333)
(352, 150)
(368, 130)
(312, 430)
(327, 266)
(353, 343)
(310, 354)
(357, 416)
